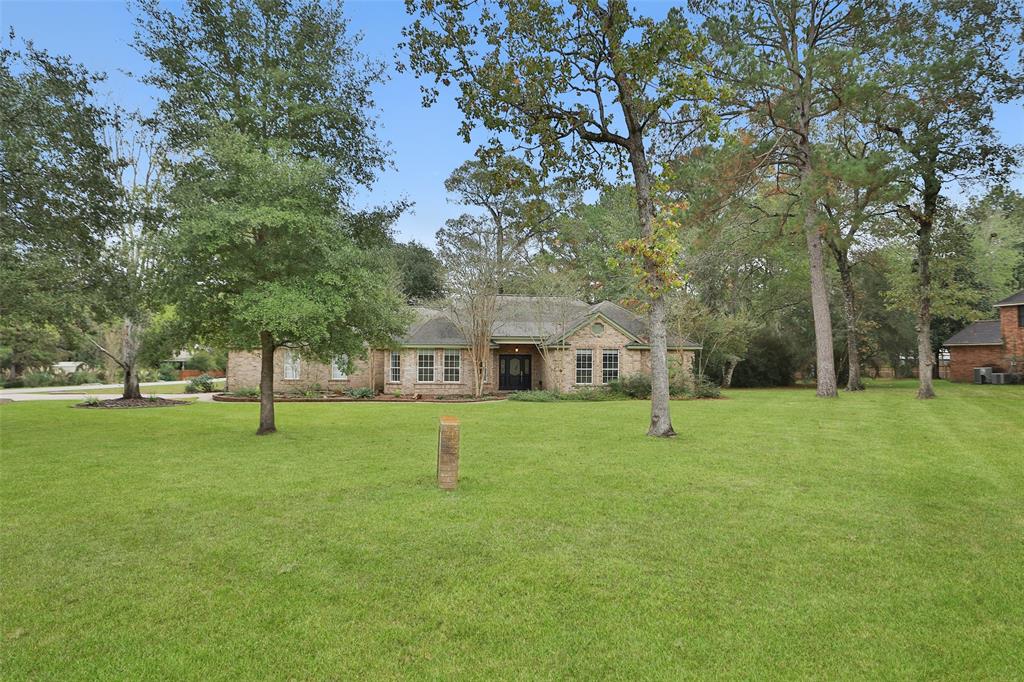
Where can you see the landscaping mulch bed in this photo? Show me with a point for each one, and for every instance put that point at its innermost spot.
(129, 403)
(224, 398)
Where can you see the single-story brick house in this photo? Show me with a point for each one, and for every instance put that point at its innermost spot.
(537, 343)
(990, 343)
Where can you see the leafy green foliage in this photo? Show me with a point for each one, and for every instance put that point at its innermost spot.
(535, 396)
(422, 278)
(167, 372)
(200, 384)
(260, 246)
(770, 361)
(28, 346)
(282, 70)
(360, 392)
(60, 191)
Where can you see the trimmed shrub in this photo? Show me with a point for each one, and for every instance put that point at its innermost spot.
(36, 379)
(588, 393)
(14, 383)
(167, 372)
(82, 377)
(148, 374)
(360, 393)
(705, 388)
(534, 396)
(200, 384)
(200, 360)
(247, 392)
(636, 386)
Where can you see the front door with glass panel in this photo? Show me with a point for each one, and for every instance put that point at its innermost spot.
(514, 373)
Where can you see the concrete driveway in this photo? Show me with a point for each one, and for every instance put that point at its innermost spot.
(75, 393)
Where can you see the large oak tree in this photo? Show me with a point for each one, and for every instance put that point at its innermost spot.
(579, 85)
(269, 106)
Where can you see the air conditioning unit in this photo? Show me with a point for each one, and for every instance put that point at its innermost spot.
(998, 378)
(982, 374)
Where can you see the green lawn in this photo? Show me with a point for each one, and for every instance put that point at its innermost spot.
(780, 536)
(218, 385)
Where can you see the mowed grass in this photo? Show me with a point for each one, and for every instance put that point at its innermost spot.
(780, 536)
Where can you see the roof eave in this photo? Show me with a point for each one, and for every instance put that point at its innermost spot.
(973, 343)
(646, 346)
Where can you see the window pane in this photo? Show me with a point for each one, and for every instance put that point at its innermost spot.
(609, 365)
(452, 365)
(339, 368)
(396, 367)
(425, 366)
(584, 366)
(292, 364)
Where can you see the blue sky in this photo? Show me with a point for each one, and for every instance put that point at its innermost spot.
(424, 142)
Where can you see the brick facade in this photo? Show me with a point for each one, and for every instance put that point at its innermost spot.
(1013, 335)
(553, 369)
(244, 372)
(1008, 357)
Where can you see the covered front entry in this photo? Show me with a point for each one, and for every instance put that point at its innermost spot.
(514, 373)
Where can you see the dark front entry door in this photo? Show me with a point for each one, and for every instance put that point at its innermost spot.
(514, 373)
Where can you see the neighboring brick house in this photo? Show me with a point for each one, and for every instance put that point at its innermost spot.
(990, 343)
(537, 343)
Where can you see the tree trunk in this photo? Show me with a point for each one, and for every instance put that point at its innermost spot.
(730, 365)
(131, 383)
(853, 383)
(825, 370)
(925, 224)
(925, 356)
(661, 416)
(129, 351)
(267, 424)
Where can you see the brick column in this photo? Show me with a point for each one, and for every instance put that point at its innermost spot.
(448, 453)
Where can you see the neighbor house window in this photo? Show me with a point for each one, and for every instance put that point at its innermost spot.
(292, 364)
(425, 365)
(339, 368)
(609, 365)
(584, 366)
(1020, 316)
(395, 375)
(453, 366)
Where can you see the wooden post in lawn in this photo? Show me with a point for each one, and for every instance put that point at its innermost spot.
(448, 453)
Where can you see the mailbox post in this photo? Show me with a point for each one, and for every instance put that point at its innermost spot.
(448, 453)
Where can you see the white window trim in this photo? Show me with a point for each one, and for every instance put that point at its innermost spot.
(618, 363)
(576, 367)
(292, 360)
(433, 366)
(457, 354)
(392, 367)
(337, 373)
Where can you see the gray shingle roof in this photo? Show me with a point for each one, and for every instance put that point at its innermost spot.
(531, 319)
(981, 333)
(1016, 299)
